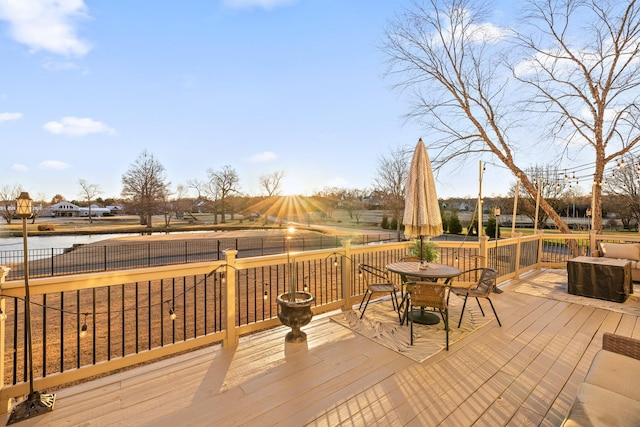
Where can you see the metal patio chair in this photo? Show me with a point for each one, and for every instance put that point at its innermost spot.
(480, 289)
(377, 281)
(429, 294)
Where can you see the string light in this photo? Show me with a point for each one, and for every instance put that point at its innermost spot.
(83, 330)
(3, 315)
(172, 314)
(266, 295)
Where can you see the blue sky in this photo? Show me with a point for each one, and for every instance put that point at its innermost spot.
(260, 85)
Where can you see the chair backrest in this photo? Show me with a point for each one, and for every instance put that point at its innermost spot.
(428, 294)
(486, 282)
(372, 274)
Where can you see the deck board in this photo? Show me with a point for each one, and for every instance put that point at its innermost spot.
(524, 373)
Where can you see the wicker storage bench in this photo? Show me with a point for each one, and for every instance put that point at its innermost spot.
(610, 393)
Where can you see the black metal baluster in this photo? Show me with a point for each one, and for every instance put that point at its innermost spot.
(173, 296)
(137, 320)
(149, 314)
(109, 323)
(78, 329)
(44, 335)
(123, 330)
(205, 306)
(61, 331)
(195, 307)
(184, 310)
(93, 320)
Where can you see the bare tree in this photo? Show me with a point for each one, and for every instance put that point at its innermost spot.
(623, 189)
(8, 196)
(145, 185)
(179, 205)
(390, 181)
(352, 201)
(570, 67)
(57, 199)
(553, 186)
(89, 192)
(197, 185)
(221, 184)
(272, 183)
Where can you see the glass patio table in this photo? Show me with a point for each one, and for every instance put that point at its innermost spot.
(428, 272)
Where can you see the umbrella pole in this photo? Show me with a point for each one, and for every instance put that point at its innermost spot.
(421, 253)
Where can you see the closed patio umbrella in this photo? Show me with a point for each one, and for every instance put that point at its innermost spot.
(421, 212)
(421, 208)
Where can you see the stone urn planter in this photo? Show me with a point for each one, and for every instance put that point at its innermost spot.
(295, 312)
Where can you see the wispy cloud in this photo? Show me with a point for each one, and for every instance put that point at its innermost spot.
(250, 4)
(473, 32)
(266, 156)
(46, 25)
(7, 117)
(53, 165)
(77, 126)
(19, 168)
(51, 65)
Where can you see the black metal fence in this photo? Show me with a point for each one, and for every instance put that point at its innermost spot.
(95, 257)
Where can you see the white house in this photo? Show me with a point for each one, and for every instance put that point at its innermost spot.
(65, 208)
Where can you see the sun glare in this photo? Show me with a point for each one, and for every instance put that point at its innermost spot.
(292, 209)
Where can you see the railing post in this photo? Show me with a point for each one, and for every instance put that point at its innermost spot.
(540, 234)
(518, 236)
(347, 284)
(230, 308)
(4, 405)
(484, 251)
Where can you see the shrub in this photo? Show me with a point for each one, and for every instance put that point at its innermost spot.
(455, 227)
(490, 229)
(46, 227)
(385, 222)
(429, 250)
(394, 224)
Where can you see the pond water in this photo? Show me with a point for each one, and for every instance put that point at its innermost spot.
(47, 242)
(62, 242)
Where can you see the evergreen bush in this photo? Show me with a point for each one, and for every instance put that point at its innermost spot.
(454, 225)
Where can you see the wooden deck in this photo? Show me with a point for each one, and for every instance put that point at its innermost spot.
(525, 373)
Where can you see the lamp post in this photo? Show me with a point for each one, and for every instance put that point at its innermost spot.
(588, 214)
(36, 403)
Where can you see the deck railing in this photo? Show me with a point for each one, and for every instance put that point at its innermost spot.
(94, 323)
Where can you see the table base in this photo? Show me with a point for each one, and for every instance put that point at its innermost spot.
(424, 317)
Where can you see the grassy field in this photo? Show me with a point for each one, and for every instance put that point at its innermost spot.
(340, 220)
(338, 223)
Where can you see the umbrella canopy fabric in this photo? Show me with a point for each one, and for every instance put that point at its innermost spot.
(421, 207)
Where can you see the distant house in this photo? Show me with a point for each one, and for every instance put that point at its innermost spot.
(116, 210)
(464, 206)
(68, 209)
